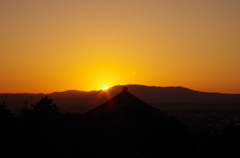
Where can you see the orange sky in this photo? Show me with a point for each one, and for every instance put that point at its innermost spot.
(56, 45)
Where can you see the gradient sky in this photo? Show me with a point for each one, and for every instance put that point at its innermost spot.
(57, 45)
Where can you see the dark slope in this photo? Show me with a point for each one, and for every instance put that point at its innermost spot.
(80, 101)
(135, 127)
(123, 101)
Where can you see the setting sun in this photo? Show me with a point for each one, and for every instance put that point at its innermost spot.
(105, 87)
(89, 45)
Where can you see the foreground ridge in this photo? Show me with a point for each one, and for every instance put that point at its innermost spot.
(124, 100)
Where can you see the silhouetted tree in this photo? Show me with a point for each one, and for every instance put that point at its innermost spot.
(4, 115)
(38, 124)
(3, 110)
(41, 113)
(25, 110)
(4, 126)
(45, 109)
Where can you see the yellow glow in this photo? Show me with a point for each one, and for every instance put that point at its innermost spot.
(105, 87)
(86, 45)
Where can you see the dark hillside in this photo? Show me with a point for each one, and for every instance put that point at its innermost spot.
(80, 101)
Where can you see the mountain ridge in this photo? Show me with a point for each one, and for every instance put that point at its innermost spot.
(81, 91)
(82, 101)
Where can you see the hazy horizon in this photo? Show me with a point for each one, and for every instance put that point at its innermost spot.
(108, 88)
(57, 45)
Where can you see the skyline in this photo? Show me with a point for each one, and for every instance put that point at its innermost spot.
(57, 45)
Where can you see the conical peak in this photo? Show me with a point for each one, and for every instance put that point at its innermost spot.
(122, 102)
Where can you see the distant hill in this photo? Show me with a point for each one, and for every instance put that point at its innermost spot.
(152, 94)
(81, 101)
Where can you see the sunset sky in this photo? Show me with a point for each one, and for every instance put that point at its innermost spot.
(57, 45)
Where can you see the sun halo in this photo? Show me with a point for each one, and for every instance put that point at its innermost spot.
(105, 88)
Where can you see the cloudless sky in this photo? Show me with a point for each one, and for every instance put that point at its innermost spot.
(56, 45)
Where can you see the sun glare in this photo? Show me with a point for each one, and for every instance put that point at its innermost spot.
(104, 88)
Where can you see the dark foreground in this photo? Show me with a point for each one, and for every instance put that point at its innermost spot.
(42, 131)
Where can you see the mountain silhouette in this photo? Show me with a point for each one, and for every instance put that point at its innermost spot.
(122, 102)
(120, 125)
(81, 101)
(133, 126)
(152, 94)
